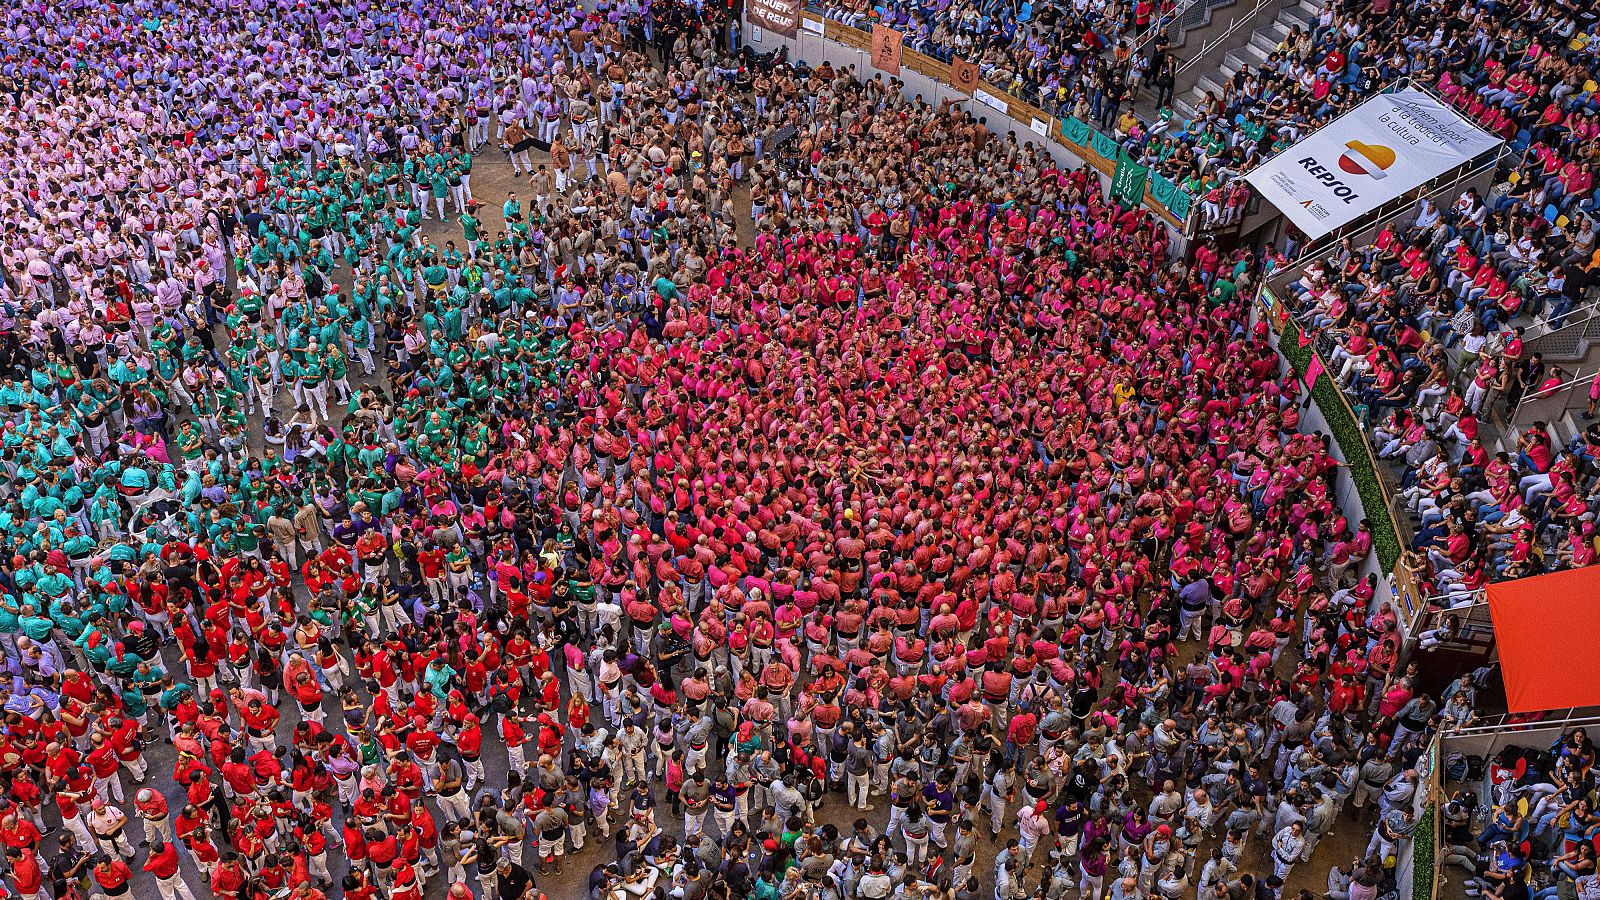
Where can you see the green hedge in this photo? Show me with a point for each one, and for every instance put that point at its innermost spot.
(1348, 435)
(1423, 850)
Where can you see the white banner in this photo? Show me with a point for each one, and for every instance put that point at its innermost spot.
(989, 100)
(1367, 157)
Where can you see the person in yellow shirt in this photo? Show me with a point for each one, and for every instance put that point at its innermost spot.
(1123, 393)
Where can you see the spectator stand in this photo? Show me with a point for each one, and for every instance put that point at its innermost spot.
(1557, 409)
(1197, 204)
(1344, 417)
(1071, 141)
(1477, 173)
(1491, 764)
(1454, 636)
(1207, 66)
(1570, 336)
(1572, 342)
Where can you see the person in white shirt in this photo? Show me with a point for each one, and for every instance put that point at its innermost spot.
(1032, 824)
(1339, 878)
(1200, 808)
(1287, 846)
(1428, 215)
(1214, 874)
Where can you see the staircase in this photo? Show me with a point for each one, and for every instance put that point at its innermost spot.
(1216, 62)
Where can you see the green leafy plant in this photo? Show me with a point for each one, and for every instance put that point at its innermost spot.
(1423, 849)
(1348, 434)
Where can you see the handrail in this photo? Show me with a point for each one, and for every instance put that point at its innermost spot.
(1577, 380)
(1488, 726)
(1233, 25)
(1454, 595)
(1556, 389)
(1592, 309)
(1161, 22)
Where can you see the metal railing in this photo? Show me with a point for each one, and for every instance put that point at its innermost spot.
(1183, 18)
(1237, 22)
(1555, 721)
(1161, 22)
(1450, 599)
(1198, 16)
(1570, 339)
(1551, 404)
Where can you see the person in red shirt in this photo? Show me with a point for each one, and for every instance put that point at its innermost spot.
(383, 850)
(104, 762)
(405, 886)
(127, 739)
(163, 865)
(1021, 730)
(258, 716)
(302, 683)
(238, 774)
(469, 743)
(204, 850)
(151, 807)
(431, 562)
(315, 844)
(112, 876)
(26, 875)
(228, 878)
(18, 833)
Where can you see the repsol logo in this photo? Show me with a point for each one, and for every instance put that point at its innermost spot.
(1332, 181)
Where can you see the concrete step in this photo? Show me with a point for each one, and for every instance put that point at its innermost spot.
(1264, 42)
(1274, 32)
(1294, 15)
(1207, 83)
(1570, 423)
(1558, 432)
(1254, 53)
(1312, 7)
(1233, 61)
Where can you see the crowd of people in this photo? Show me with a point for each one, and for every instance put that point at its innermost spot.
(1425, 326)
(1425, 330)
(374, 536)
(1043, 52)
(1422, 329)
(1525, 70)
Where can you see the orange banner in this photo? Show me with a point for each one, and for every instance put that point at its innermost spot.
(1545, 630)
(886, 49)
(963, 75)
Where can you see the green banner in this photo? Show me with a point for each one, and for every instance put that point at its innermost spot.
(1179, 206)
(1075, 131)
(1169, 195)
(1104, 145)
(1162, 188)
(1127, 183)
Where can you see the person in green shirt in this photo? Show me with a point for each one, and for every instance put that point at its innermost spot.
(434, 275)
(469, 228)
(439, 188)
(313, 382)
(338, 370)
